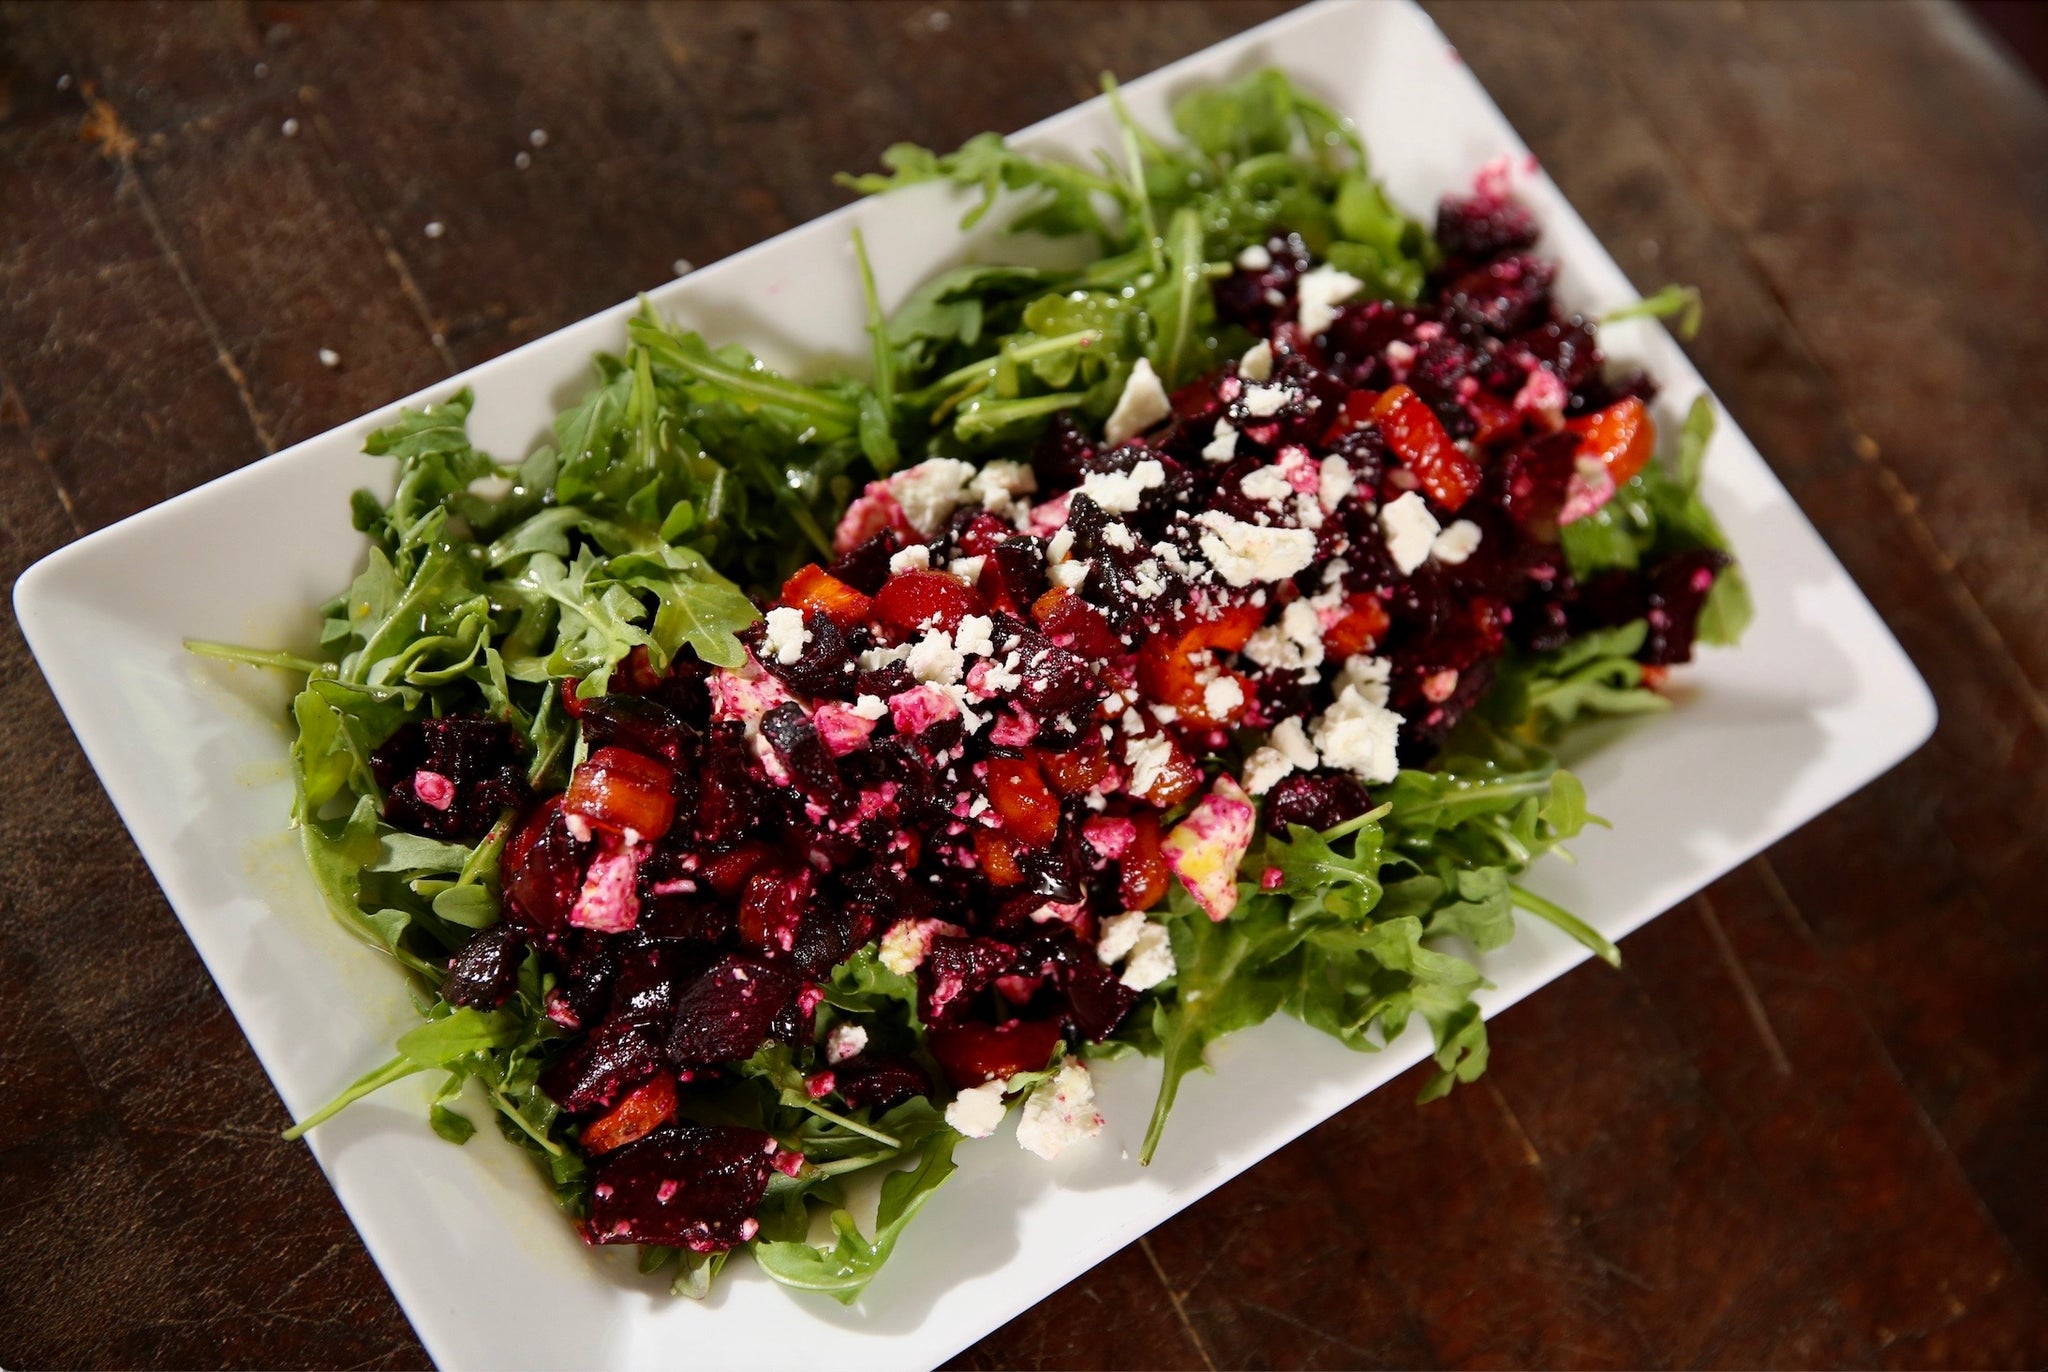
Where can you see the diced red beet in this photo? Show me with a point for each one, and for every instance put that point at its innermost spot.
(727, 1013)
(1505, 296)
(1319, 800)
(1476, 226)
(975, 1053)
(646, 726)
(1097, 1000)
(1531, 481)
(910, 602)
(867, 566)
(450, 777)
(1676, 590)
(1015, 576)
(795, 740)
(825, 669)
(955, 970)
(615, 1057)
(486, 969)
(542, 870)
(688, 1186)
(873, 1081)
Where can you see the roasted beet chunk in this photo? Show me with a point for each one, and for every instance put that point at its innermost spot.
(795, 740)
(1317, 800)
(450, 777)
(955, 970)
(684, 1186)
(824, 669)
(1476, 226)
(872, 1081)
(487, 968)
(975, 1053)
(867, 566)
(1097, 1000)
(542, 870)
(617, 1056)
(727, 1013)
(1677, 589)
(635, 722)
(731, 802)
(1504, 296)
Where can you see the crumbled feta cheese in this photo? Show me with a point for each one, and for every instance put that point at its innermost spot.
(977, 1111)
(1222, 697)
(1146, 583)
(1263, 770)
(1120, 492)
(1204, 849)
(1059, 1112)
(1255, 258)
(786, 636)
(1142, 404)
(1001, 486)
(1257, 363)
(934, 658)
(1119, 536)
(1291, 739)
(1222, 446)
(931, 491)
(1264, 401)
(610, 899)
(903, 948)
(1266, 484)
(1360, 737)
(1295, 644)
(1119, 935)
(1246, 553)
(1151, 960)
(1147, 755)
(916, 558)
(1410, 529)
(975, 636)
(1068, 574)
(1370, 676)
(745, 694)
(869, 707)
(875, 659)
(845, 1041)
(1320, 292)
(1059, 547)
(1334, 482)
(968, 569)
(1458, 541)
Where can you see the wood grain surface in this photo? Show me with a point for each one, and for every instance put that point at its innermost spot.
(1805, 1125)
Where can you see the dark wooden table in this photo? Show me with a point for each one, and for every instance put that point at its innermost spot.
(1807, 1124)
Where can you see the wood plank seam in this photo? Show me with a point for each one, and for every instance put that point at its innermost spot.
(1179, 1307)
(115, 142)
(1745, 989)
(14, 410)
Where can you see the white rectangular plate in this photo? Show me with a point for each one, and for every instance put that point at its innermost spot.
(1818, 701)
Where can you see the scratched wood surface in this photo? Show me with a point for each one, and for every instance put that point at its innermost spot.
(1805, 1125)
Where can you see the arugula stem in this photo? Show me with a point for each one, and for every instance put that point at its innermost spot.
(376, 1079)
(985, 371)
(485, 854)
(986, 419)
(255, 657)
(767, 389)
(793, 505)
(1603, 948)
(885, 360)
(886, 1140)
(507, 1108)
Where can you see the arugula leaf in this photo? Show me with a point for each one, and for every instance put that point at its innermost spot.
(844, 1270)
(1684, 303)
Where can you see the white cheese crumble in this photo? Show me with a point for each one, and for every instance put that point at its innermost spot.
(1120, 492)
(1002, 485)
(1458, 541)
(1370, 676)
(1320, 292)
(1142, 404)
(1291, 739)
(1059, 1112)
(845, 1041)
(1119, 536)
(1410, 529)
(934, 659)
(1246, 553)
(875, 659)
(1360, 737)
(1119, 935)
(1263, 770)
(915, 558)
(977, 1111)
(1221, 697)
(1059, 546)
(1263, 401)
(931, 491)
(869, 707)
(1255, 258)
(1335, 481)
(1068, 574)
(786, 636)
(968, 569)
(1151, 961)
(1268, 485)
(1295, 644)
(1222, 446)
(1257, 362)
(976, 635)
(1147, 755)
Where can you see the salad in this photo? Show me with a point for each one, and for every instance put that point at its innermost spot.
(767, 782)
